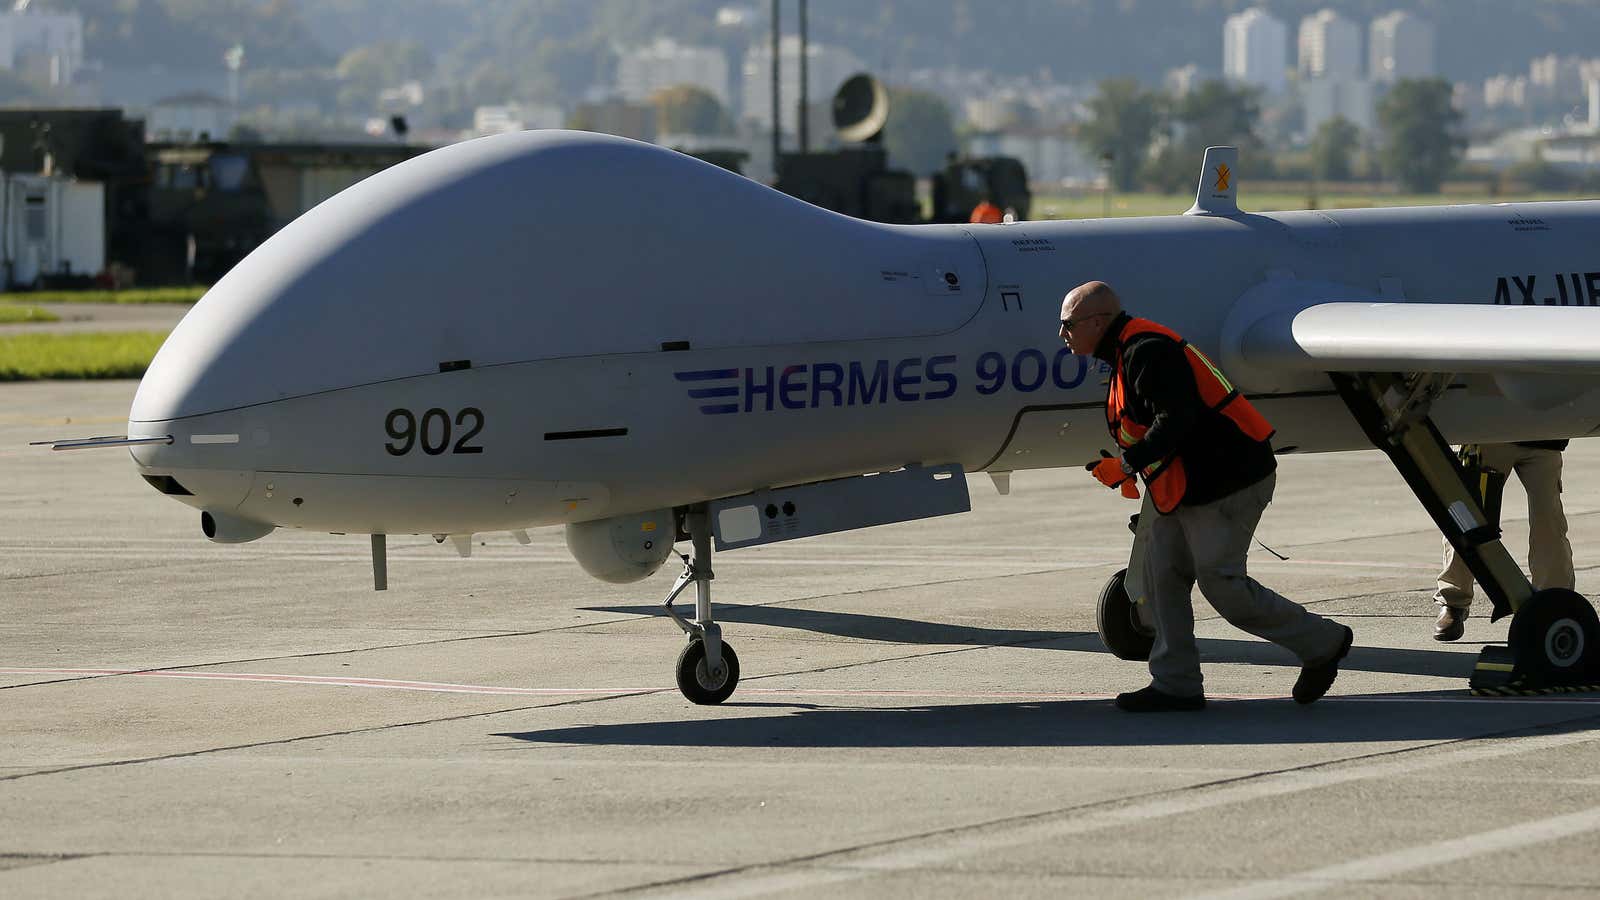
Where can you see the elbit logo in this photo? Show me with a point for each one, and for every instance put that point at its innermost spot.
(1223, 172)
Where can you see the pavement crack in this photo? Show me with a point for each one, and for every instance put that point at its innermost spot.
(11, 862)
(371, 729)
(361, 857)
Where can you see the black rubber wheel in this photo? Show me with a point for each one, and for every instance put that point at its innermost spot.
(1118, 622)
(700, 686)
(1555, 637)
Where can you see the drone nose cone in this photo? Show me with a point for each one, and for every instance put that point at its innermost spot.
(174, 387)
(220, 357)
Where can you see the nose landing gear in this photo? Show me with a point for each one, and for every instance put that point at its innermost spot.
(702, 683)
(708, 669)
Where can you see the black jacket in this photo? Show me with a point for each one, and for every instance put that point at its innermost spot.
(1218, 458)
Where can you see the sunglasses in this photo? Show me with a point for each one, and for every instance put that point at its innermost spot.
(1069, 324)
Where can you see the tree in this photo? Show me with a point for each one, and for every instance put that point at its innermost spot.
(379, 66)
(1123, 120)
(686, 109)
(1214, 114)
(920, 132)
(1422, 142)
(1332, 148)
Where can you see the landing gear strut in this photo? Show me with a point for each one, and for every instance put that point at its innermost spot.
(1554, 643)
(708, 669)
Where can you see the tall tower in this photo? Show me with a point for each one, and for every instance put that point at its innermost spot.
(1254, 50)
(1330, 46)
(1401, 47)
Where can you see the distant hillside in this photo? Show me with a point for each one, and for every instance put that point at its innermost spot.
(194, 33)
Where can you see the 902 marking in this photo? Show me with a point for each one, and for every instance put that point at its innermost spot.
(433, 432)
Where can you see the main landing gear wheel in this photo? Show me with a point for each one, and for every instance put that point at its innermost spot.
(1555, 637)
(1117, 620)
(707, 688)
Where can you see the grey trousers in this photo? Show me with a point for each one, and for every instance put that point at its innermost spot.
(1549, 551)
(1207, 545)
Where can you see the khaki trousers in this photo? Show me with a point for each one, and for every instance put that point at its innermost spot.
(1207, 545)
(1549, 551)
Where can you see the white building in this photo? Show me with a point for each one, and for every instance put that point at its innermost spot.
(1401, 46)
(51, 226)
(1505, 90)
(826, 68)
(666, 63)
(1255, 50)
(48, 46)
(1330, 46)
(402, 98)
(516, 117)
(1561, 78)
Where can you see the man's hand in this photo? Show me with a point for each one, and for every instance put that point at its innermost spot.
(1108, 471)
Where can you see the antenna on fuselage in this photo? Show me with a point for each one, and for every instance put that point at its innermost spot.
(1218, 194)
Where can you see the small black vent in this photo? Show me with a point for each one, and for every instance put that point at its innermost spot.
(166, 484)
(670, 346)
(582, 435)
(455, 365)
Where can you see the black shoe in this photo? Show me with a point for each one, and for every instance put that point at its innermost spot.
(1314, 681)
(1451, 625)
(1151, 700)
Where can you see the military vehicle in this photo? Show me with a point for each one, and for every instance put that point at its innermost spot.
(856, 179)
(964, 182)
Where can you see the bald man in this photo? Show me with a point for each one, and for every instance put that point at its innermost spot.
(1205, 457)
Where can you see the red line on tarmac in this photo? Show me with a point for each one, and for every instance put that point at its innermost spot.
(449, 688)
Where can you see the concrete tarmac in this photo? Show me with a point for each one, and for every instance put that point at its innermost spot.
(924, 710)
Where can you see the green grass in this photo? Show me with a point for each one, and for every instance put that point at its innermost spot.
(30, 357)
(130, 295)
(12, 315)
(1089, 205)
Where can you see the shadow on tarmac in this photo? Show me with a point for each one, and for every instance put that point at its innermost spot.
(1444, 663)
(1084, 723)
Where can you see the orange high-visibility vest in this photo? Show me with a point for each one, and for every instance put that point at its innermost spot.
(1165, 478)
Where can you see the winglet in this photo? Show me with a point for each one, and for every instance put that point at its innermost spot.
(1218, 194)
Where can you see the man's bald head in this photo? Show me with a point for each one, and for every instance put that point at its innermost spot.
(1086, 312)
(1089, 299)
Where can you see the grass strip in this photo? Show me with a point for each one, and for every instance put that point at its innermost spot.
(13, 315)
(1089, 204)
(93, 355)
(130, 295)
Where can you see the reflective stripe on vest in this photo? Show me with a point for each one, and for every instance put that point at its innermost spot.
(1165, 478)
